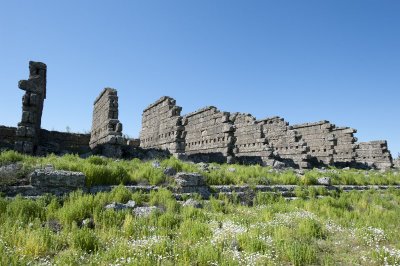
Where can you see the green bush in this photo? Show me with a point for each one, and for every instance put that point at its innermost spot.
(25, 210)
(85, 240)
(7, 157)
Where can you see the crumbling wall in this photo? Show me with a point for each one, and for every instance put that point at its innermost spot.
(320, 140)
(162, 126)
(209, 135)
(64, 142)
(344, 146)
(106, 133)
(50, 141)
(374, 154)
(286, 143)
(251, 145)
(7, 137)
(28, 131)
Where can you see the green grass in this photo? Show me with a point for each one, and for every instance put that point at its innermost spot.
(356, 228)
(104, 171)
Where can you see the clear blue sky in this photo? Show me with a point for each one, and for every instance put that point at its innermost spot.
(303, 60)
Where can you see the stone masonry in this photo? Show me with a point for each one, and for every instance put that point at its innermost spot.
(287, 144)
(28, 131)
(106, 133)
(320, 141)
(209, 135)
(345, 146)
(251, 145)
(162, 126)
(374, 154)
(205, 135)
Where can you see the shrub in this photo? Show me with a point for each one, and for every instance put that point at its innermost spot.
(85, 240)
(97, 160)
(25, 210)
(76, 208)
(7, 157)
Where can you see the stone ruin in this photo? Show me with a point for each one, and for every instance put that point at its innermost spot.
(207, 135)
(106, 133)
(251, 144)
(28, 131)
(374, 154)
(210, 135)
(286, 143)
(162, 127)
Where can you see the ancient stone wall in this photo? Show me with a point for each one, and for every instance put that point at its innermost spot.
(162, 126)
(345, 147)
(106, 133)
(64, 142)
(50, 141)
(320, 141)
(374, 154)
(251, 145)
(286, 143)
(7, 137)
(209, 135)
(28, 131)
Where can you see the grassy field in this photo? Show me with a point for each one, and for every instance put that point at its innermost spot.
(357, 228)
(102, 171)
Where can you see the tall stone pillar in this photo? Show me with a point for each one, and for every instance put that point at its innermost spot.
(106, 135)
(28, 131)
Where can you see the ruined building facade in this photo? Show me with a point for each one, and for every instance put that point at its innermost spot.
(205, 135)
(212, 135)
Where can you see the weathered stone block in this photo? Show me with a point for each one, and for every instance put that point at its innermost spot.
(189, 179)
(49, 178)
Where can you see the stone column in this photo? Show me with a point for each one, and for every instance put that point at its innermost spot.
(106, 133)
(28, 131)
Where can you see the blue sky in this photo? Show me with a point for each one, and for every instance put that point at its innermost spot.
(303, 60)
